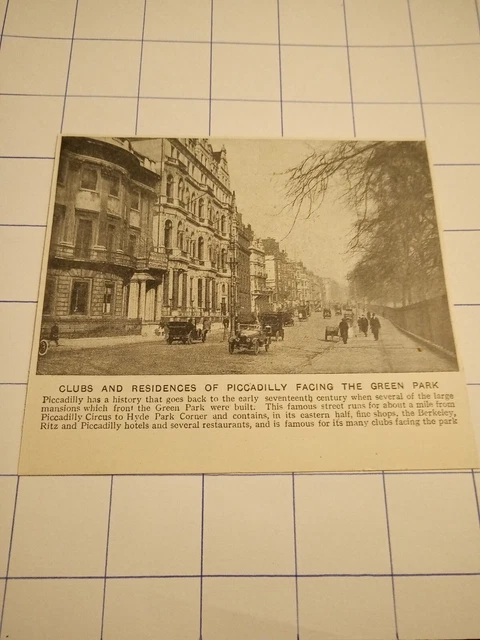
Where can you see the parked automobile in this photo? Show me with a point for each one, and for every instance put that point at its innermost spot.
(288, 318)
(272, 323)
(185, 331)
(249, 336)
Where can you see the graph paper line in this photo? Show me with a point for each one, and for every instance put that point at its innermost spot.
(140, 68)
(387, 522)
(295, 556)
(279, 33)
(416, 67)
(352, 104)
(104, 596)
(9, 557)
(3, 23)
(310, 45)
(202, 532)
(475, 490)
(72, 42)
(210, 80)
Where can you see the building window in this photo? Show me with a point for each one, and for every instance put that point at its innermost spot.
(108, 297)
(89, 179)
(224, 225)
(180, 236)
(114, 186)
(79, 297)
(224, 259)
(200, 208)
(110, 241)
(200, 293)
(170, 185)
(49, 296)
(132, 245)
(167, 234)
(181, 189)
(201, 245)
(135, 200)
(83, 238)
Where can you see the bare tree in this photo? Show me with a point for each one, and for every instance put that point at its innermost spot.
(394, 232)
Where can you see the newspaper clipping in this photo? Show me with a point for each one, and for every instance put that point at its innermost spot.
(247, 306)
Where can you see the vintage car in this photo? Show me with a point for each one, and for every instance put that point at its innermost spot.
(327, 313)
(184, 331)
(249, 336)
(302, 313)
(272, 323)
(288, 318)
(331, 331)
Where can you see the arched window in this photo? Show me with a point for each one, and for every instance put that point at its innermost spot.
(201, 208)
(180, 236)
(187, 199)
(192, 246)
(224, 258)
(170, 186)
(181, 190)
(167, 234)
(201, 247)
(224, 225)
(210, 211)
(210, 253)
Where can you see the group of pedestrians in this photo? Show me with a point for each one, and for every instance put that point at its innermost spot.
(364, 322)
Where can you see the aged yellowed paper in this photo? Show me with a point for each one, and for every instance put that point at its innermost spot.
(243, 306)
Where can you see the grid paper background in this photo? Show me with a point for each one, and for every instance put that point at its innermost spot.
(319, 556)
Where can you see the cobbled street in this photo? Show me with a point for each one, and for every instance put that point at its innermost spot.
(304, 351)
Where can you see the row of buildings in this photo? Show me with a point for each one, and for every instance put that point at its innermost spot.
(145, 230)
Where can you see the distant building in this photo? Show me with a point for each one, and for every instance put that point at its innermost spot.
(260, 295)
(244, 239)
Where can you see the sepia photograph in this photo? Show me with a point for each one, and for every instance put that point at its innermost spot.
(179, 256)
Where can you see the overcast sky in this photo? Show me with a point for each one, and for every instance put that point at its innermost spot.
(256, 174)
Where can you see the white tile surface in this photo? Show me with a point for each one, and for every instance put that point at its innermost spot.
(104, 68)
(23, 63)
(306, 22)
(166, 514)
(247, 21)
(100, 116)
(432, 529)
(375, 22)
(61, 527)
(447, 22)
(170, 117)
(152, 608)
(324, 77)
(16, 325)
(175, 70)
(247, 119)
(317, 120)
(113, 19)
(248, 525)
(387, 75)
(454, 133)
(355, 540)
(22, 135)
(450, 74)
(26, 282)
(383, 121)
(249, 608)
(25, 206)
(442, 607)
(247, 72)
(359, 608)
(49, 19)
(39, 609)
(167, 20)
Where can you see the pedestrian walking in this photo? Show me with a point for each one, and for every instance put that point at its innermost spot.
(363, 325)
(226, 324)
(375, 326)
(206, 326)
(343, 330)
